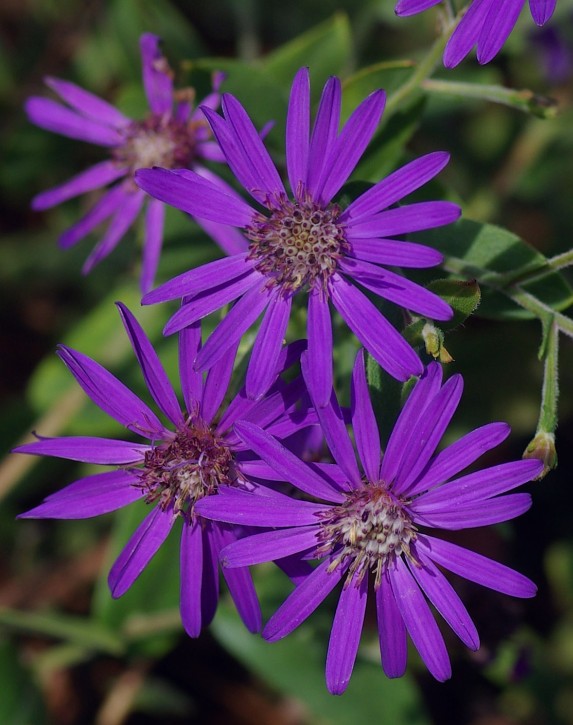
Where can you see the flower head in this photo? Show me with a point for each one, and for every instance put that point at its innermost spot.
(373, 525)
(305, 242)
(194, 457)
(486, 25)
(174, 134)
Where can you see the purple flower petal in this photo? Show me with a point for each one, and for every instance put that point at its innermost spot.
(391, 630)
(364, 424)
(397, 289)
(155, 376)
(87, 449)
(319, 332)
(217, 383)
(542, 10)
(118, 226)
(466, 34)
(397, 185)
(157, 77)
(471, 515)
(404, 219)
(269, 546)
(111, 395)
(345, 634)
(52, 116)
(210, 577)
(139, 550)
(476, 568)
(419, 622)
(498, 24)
(191, 578)
(324, 132)
(195, 195)
(262, 370)
(106, 206)
(286, 463)
(154, 221)
(297, 130)
(88, 104)
(191, 381)
(93, 178)
(350, 145)
(382, 341)
(303, 601)
(442, 595)
(411, 7)
(88, 497)
(395, 253)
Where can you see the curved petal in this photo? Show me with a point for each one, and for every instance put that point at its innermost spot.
(396, 253)
(191, 381)
(191, 563)
(105, 207)
(269, 546)
(157, 76)
(324, 132)
(466, 34)
(297, 131)
(542, 10)
(404, 219)
(88, 104)
(411, 7)
(319, 332)
(152, 243)
(87, 449)
(364, 424)
(474, 514)
(497, 26)
(93, 178)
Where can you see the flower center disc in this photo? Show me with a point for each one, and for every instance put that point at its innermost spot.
(299, 244)
(157, 142)
(370, 528)
(191, 466)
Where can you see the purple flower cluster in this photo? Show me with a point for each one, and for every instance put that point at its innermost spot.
(486, 25)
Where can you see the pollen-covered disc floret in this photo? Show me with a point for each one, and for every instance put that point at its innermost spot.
(299, 244)
(180, 472)
(370, 529)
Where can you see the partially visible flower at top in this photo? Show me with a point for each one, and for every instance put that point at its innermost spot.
(197, 456)
(554, 48)
(374, 529)
(486, 25)
(306, 243)
(174, 134)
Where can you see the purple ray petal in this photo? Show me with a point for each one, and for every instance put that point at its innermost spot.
(397, 185)
(217, 383)
(472, 515)
(88, 104)
(52, 116)
(240, 585)
(476, 568)
(286, 463)
(93, 178)
(422, 442)
(411, 7)
(297, 130)
(191, 381)
(212, 300)
(345, 634)
(233, 326)
(479, 486)
(408, 420)
(250, 509)
(337, 438)
(382, 341)
(139, 550)
(542, 10)
(497, 26)
(350, 145)
(391, 630)
(195, 195)
(442, 595)
(157, 76)
(229, 239)
(404, 219)
(295, 568)
(111, 395)
(191, 563)
(466, 34)
(303, 601)
(106, 206)
(210, 578)
(319, 332)
(364, 424)
(86, 449)
(397, 289)
(152, 243)
(118, 226)
(210, 151)
(419, 622)
(88, 497)
(262, 370)
(395, 253)
(460, 454)
(155, 376)
(324, 132)
(269, 546)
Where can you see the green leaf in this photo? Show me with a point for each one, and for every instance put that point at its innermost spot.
(497, 258)
(388, 75)
(461, 295)
(295, 667)
(20, 702)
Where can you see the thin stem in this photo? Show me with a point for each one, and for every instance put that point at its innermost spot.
(548, 412)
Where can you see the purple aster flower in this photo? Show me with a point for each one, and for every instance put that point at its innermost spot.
(173, 135)
(196, 456)
(373, 526)
(486, 25)
(306, 243)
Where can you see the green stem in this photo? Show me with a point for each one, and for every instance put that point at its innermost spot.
(548, 412)
(530, 303)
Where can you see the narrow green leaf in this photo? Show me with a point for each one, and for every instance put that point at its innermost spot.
(462, 296)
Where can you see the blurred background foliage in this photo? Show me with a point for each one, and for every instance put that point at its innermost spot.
(69, 654)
